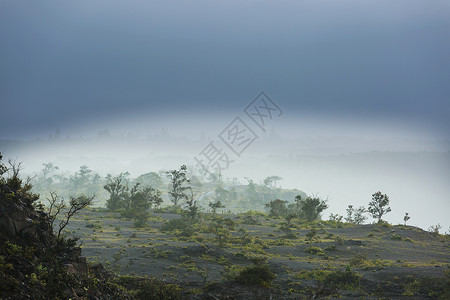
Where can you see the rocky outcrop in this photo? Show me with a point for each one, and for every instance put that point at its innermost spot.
(18, 221)
(31, 257)
(21, 224)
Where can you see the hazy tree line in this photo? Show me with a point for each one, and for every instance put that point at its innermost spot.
(121, 192)
(191, 193)
(231, 193)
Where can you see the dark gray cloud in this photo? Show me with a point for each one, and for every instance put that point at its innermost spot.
(68, 63)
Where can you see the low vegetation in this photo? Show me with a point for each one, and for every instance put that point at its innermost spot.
(138, 248)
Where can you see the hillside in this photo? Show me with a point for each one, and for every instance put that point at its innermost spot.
(77, 251)
(340, 259)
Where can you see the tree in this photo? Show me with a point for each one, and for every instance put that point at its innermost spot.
(311, 207)
(335, 218)
(83, 175)
(286, 226)
(359, 216)
(178, 185)
(435, 229)
(75, 205)
(221, 196)
(17, 189)
(150, 179)
(350, 211)
(82, 181)
(277, 208)
(406, 218)
(117, 188)
(222, 232)
(214, 206)
(311, 234)
(138, 201)
(48, 169)
(56, 204)
(192, 209)
(251, 192)
(355, 216)
(378, 207)
(214, 177)
(271, 181)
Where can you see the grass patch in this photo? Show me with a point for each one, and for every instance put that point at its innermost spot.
(333, 279)
(314, 251)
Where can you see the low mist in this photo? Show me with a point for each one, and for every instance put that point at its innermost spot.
(343, 162)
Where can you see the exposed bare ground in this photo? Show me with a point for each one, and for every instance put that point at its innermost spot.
(383, 255)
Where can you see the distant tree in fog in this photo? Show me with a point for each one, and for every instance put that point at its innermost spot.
(150, 179)
(271, 181)
(137, 202)
(215, 205)
(179, 185)
(117, 188)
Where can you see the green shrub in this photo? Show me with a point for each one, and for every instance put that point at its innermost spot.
(427, 287)
(179, 226)
(149, 288)
(311, 234)
(8, 282)
(396, 237)
(229, 223)
(358, 259)
(334, 279)
(338, 279)
(155, 289)
(257, 275)
(339, 240)
(250, 220)
(314, 251)
(384, 224)
(331, 248)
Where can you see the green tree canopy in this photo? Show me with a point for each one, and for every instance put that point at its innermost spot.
(379, 206)
(311, 207)
(179, 185)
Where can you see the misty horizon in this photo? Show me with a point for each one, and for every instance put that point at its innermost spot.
(362, 88)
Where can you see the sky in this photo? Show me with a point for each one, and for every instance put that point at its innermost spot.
(350, 77)
(80, 64)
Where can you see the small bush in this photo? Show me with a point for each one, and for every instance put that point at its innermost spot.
(314, 251)
(331, 248)
(384, 224)
(339, 240)
(181, 226)
(427, 287)
(358, 259)
(257, 275)
(335, 279)
(149, 288)
(396, 237)
(250, 220)
(338, 279)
